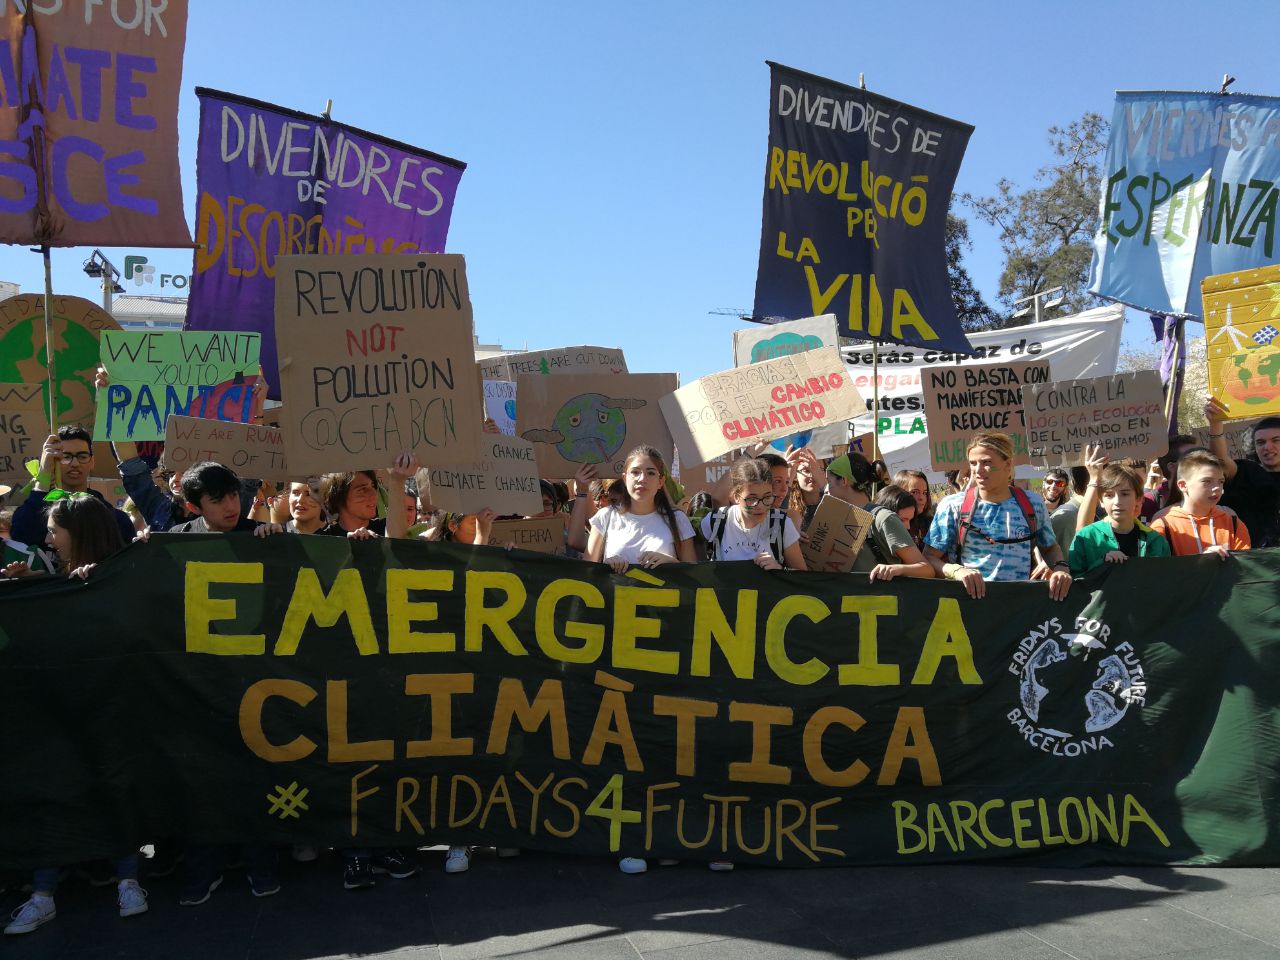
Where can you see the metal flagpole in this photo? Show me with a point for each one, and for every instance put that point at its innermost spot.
(875, 362)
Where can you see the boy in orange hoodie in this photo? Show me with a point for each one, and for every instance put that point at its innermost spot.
(1198, 525)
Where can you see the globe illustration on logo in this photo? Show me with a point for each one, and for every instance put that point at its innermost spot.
(796, 440)
(1104, 703)
(1253, 377)
(510, 408)
(588, 428)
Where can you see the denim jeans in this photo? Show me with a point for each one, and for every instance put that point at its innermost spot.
(46, 878)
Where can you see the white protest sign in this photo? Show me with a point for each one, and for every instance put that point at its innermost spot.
(500, 405)
(1084, 345)
(505, 480)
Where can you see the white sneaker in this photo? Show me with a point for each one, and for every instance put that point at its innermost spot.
(633, 865)
(33, 913)
(458, 860)
(131, 898)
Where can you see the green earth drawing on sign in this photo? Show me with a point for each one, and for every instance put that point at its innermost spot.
(1256, 376)
(77, 324)
(589, 428)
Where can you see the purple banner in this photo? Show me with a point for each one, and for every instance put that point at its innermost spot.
(274, 182)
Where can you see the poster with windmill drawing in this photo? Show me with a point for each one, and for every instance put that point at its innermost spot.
(1242, 333)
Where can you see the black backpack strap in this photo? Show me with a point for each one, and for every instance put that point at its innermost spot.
(777, 534)
(966, 519)
(718, 518)
(871, 541)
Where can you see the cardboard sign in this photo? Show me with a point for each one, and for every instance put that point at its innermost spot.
(248, 449)
(1242, 334)
(545, 535)
(836, 534)
(1124, 414)
(377, 357)
(24, 423)
(77, 325)
(593, 418)
(770, 342)
(559, 360)
(1238, 434)
(962, 400)
(702, 477)
(112, 490)
(156, 373)
(500, 404)
(104, 120)
(863, 444)
(505, 479)
(761, 401)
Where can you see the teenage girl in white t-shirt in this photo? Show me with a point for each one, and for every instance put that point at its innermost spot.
(641, 527)
(745, 526)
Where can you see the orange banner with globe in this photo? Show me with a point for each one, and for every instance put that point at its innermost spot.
(1242, 334)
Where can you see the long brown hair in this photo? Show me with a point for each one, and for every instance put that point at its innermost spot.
(92, 528)
(620, 498)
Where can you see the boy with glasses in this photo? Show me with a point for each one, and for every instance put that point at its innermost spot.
(71, 451)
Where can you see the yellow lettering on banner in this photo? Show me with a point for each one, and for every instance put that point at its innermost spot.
(404, 805)
(341, 749)
(454, 820)
(776, 177)
(403, 613)
(203, 610)
(737, 643)
(947, 637)
(993, 838)
(547, 705)
(613, 724)
(775, 639)
(906, 314)
(910, 738)
(822, 298)
(357, 795)
(309, 602)
(1135, 813)
(629, 627)
(440, 687)
(251, 731)
(904, 818)
(499, 795)
(869, 671)
(591, 634)
(1022, 824)
(814, 761)
(686, 711)
(557, 794)
(496, 619)
(762, 717)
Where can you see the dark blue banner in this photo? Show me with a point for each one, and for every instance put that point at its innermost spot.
(856, 193)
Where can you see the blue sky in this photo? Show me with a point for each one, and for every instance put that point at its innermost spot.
(616, 151)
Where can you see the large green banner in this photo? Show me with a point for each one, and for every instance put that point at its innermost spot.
(312, 689)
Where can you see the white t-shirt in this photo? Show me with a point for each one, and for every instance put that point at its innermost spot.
(739, 543)
(628, 535)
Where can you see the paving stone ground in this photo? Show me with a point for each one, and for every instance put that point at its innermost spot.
(539, 907)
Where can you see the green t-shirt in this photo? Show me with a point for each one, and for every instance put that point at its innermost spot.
(891, 535)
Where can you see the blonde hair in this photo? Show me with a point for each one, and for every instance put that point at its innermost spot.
(1000, 444)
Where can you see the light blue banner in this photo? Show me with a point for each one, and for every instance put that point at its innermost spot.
(1190, 191)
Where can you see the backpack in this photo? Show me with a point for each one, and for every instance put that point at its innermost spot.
(871, 542)
(966, 518)
(719, 519)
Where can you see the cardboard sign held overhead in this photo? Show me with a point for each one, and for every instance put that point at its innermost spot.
(1124, 414)
(1242, 332)
(595, 418)
(558, 360)
(545, 535)
(836, 534)
(702, 477)
(24, 423)
(505, 479)
(761, 401)
(157, 373)
(377, 358)
(1238, 434)
(962, 400)
(248, 449)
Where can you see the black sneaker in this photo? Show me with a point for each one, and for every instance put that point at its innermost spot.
(162, 862)
(397, 863)
(265, 885)
(98, 873)
(199, 893)
(358, 874)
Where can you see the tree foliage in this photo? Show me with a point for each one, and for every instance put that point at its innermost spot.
(973, 311)
(1046, 231)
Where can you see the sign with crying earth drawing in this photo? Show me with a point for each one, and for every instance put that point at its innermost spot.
(594, 418)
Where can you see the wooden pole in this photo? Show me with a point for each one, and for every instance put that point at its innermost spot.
(49, 353)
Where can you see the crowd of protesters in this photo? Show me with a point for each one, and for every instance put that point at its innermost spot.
(982, 526)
